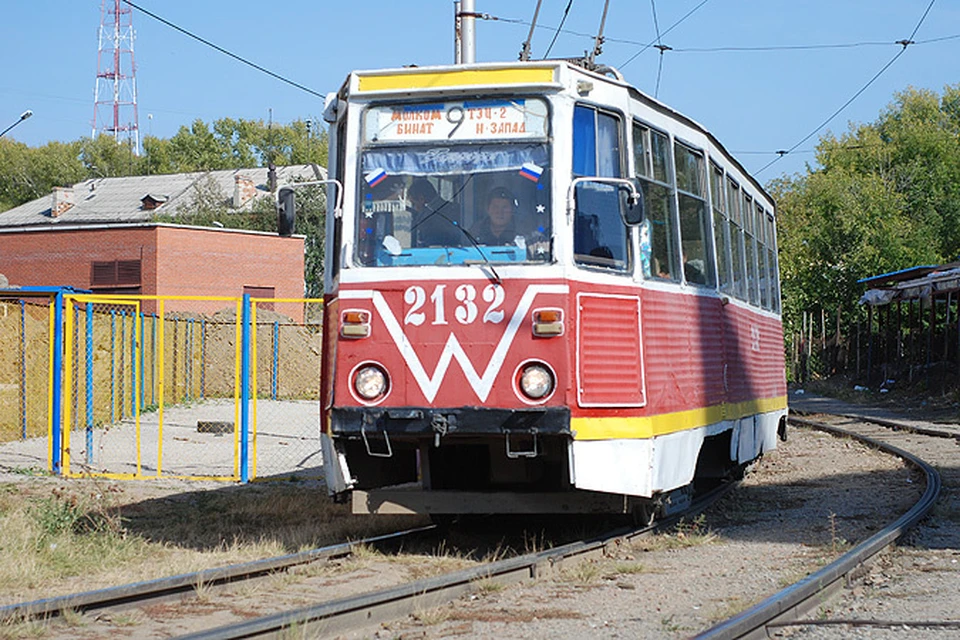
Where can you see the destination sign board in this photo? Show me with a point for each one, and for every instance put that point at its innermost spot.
(457, 121)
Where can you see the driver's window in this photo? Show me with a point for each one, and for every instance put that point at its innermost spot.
(600, 237)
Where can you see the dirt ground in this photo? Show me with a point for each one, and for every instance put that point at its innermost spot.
(806, 503)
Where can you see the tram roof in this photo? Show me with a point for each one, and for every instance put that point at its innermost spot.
(539, 74)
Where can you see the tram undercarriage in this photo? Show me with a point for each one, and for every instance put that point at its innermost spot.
(415, 461)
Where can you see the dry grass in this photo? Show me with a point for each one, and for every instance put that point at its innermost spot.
(487, 586)
(582, 573)
(685, 535)
(432, 616)
(61, 537)
(63, 533)
(441, 561)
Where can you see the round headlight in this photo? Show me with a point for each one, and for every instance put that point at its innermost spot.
(370, 382)
(536, 381)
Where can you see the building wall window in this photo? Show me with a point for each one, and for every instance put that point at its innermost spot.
(261, 292)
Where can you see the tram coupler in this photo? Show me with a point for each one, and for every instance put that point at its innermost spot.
(533, 452)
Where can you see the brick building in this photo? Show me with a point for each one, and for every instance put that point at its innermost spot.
(103, 235)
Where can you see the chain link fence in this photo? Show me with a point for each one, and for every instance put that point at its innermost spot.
(25, 367)
(154, 387)
(286, 346)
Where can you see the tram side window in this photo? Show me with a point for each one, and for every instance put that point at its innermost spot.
(736, 240)
(763, 257)
(750, 244)
(600, 237)
(694, 227)
(658, 246)
(774, 275)
(721, 228)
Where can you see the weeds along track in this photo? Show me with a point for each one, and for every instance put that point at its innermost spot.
(356, 612)
(189, 603)
(788, 606)
(358, 589)
(141, 594)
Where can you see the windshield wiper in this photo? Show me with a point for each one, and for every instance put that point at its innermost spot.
(486, 261)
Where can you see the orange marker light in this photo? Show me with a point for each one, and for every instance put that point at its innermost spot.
(355, 323)
(547, 322)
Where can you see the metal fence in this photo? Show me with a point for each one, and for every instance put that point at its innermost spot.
(202, 388)
(896, 345)
(25, 367)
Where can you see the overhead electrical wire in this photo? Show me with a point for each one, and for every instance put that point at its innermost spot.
(904, 44)
(757, 49)
(566, 12)
(225, 51)
(672, 27)
(657, 44)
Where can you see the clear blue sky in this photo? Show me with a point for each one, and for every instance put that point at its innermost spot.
(754, 102)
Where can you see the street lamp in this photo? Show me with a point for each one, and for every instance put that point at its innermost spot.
(23, 116)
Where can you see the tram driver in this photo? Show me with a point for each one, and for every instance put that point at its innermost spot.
(432, 223)
(500, 227)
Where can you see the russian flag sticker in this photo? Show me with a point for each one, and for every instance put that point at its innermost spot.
(531, 171)
(375, 177)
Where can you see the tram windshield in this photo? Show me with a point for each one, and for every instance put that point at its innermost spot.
(454, 183)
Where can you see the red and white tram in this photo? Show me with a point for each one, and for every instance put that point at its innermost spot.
(507, 328)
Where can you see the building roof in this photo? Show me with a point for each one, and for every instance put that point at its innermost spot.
(137, 199)
(912, 283)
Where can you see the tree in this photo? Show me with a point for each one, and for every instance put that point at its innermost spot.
(885, 197)
(27, 173)
(106, 157)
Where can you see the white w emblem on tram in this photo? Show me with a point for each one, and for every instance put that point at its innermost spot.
(452, 350)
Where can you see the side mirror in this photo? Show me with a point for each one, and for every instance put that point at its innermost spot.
(632, 208)
(286, 211)
(629, 197)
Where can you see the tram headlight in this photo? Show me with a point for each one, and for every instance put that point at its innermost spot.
(536, 381)
(370, 381)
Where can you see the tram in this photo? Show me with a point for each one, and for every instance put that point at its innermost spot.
(545, 292)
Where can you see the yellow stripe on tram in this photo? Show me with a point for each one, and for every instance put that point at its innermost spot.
(457, 78)
(639, 427)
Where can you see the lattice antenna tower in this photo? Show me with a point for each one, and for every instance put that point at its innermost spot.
(115, 94)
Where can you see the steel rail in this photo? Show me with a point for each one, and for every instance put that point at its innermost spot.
(789, 604)
(140, 593)
(349, 614)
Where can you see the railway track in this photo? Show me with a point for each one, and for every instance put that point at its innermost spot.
(362, 611)
(142, 594)
(349, 613)
(789, 605)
